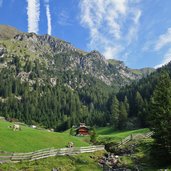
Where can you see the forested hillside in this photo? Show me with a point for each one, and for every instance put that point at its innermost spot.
(47, 81)
(133, 100)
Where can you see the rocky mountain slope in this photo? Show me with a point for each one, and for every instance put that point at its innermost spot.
(57, 55)
(49, 81)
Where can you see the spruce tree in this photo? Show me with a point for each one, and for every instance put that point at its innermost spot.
(115, 112)
(123, 115)
(161, 113)
(126, 103)
(139, 108)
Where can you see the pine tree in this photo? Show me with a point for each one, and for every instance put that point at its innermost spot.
(115, 112)
(138, 102)
(161, 113)
(126, 103)
(123, 115)
(139, 108)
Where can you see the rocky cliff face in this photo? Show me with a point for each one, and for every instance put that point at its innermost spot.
(57, 56)
(49, 81)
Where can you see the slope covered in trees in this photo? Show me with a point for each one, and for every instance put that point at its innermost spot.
(45, 80)
(149, 105)
(135, 100)
(57, 107)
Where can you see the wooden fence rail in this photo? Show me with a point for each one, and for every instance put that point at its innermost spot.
(134, 137)
(45, 153)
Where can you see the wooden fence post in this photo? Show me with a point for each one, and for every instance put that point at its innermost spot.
(16, 157)
(11, 156)
(131, 136)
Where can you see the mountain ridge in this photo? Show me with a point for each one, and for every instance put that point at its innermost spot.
(48, 81)
(45, 45)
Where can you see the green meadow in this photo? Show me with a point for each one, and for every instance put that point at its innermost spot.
(79, 162)
(109, 133)
(29, 139)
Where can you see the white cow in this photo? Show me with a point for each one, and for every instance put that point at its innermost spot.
(16, 127)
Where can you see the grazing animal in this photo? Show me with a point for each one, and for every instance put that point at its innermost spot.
(70, 144)
(16, 127)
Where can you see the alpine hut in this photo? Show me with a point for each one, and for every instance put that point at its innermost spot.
(82, 130)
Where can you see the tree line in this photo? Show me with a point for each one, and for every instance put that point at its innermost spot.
(149, 102)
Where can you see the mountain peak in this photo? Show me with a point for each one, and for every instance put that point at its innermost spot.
(97, 55)
(58, 55)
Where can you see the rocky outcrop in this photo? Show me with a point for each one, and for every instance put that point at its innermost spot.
(2, 51)
(38, 43)
(56, 55)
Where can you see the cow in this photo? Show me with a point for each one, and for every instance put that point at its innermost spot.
(15, 127)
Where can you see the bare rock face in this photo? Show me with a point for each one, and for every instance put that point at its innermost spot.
(55, 55)
(2, 51)
(52, 44)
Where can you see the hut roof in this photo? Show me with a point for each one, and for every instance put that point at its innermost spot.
(82, 125)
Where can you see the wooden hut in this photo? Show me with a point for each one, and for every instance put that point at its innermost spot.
(82, 130)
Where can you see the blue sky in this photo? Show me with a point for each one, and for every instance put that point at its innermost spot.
(137, 32)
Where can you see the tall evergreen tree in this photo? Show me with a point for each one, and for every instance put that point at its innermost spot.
(139, 108)
(123, 115)
(126, 103)
(138, 103)
(115, 112)
(161, 113)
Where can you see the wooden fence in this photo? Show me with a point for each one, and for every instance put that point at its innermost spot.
(134, 137)
(45, 153)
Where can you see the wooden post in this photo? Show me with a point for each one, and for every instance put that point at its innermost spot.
(131, 136)
(11, 156)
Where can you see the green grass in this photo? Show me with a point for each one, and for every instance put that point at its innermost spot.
(20, 49)
(136, 71)
(114, 62)
(29, 139)
(80, 162)
(109, 132)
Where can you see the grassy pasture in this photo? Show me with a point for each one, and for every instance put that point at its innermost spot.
(109, 133)
(80, 162)
(29, 139)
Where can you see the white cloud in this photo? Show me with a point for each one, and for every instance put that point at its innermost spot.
(33, 12)
(105, 20)
(163, 40)
(166, 59)
(132, 33)
(48, 15)
(110, 52)
(1, 3)
(48, 19)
